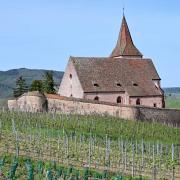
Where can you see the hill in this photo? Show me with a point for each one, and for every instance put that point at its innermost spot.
(172, 97)
(172, 93)
(172, 90)
(8, 79)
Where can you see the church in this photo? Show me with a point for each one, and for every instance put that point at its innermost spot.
(125, 77)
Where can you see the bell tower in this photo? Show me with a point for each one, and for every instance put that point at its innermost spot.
(125, 46)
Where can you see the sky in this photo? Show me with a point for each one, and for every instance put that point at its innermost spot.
(42, 34)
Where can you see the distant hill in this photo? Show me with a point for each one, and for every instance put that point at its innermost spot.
(173, 92)
(8, 79)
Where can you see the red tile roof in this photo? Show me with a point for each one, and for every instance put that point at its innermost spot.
(108, 72)
(125, 45)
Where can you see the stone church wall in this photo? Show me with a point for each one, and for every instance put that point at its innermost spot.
(70, 84)
(54, 103)
(148, 101)
(108, 97)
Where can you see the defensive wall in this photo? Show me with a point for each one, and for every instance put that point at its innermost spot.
(36, 102)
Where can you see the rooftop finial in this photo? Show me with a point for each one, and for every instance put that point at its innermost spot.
(123, 7)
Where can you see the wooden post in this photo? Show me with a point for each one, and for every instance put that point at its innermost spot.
(133, 160)
(173, 168)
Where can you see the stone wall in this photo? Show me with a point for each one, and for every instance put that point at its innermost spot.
(36, 102)
(12, 104)
(88, 108)
(141, 113)
(168, 116)
(31, 102)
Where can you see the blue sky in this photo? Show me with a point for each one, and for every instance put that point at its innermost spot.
(42, 34)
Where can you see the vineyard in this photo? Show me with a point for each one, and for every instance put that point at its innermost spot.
(57, 146)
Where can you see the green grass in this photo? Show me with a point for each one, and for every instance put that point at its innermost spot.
(172, 103)
(3, 103)
(68, 172)
(115, 128)
(75, 140)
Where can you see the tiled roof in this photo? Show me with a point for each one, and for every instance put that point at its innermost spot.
(33, 93)
(125, 45)
(55, 96)
(117, 74)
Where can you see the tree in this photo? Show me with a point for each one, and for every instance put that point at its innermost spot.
(20, 88)
(37, 85)
(48, 83)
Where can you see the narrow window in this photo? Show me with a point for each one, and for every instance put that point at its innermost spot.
(155, 105)
(135, 84)
(96, 98)
(138, 102)
(70, 76)
(96, 85)
(119, 99)
(71, 95)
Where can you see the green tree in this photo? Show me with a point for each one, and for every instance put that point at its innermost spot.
(20, 88)
(37, 85)
(48, 83)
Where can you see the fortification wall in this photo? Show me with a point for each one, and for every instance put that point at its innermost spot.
(141, 113)
(56, 103)
(31, 102)
(168, 116)
(78, 107)
(12, 104)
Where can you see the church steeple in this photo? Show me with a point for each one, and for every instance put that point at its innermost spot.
(125, 46)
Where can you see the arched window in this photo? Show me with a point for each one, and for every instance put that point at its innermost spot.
(119, 99)
(138, 102)
(96, 98)
(70, 76)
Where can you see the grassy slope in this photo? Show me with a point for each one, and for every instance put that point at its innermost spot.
(3, 103)
(100, 126)
(172, 103)
(52, 127)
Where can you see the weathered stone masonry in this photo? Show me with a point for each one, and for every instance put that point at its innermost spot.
(36, 102)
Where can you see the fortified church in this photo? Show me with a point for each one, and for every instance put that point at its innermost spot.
(125, 77)
(124, 85)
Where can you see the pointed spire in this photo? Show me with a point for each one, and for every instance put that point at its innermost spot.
(125, 45)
